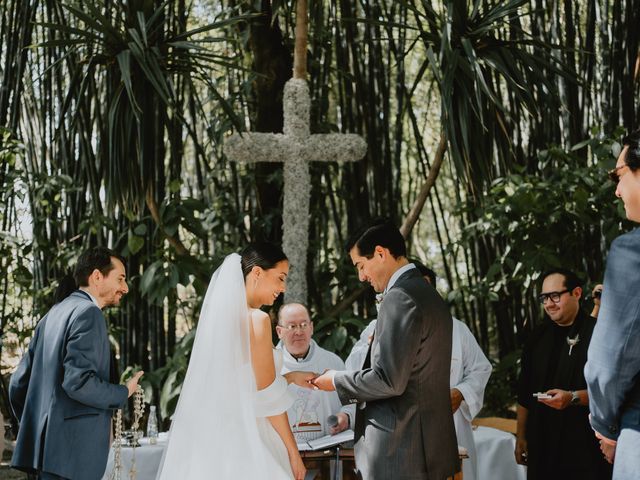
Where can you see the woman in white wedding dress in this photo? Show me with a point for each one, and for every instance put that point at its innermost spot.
(231, 420)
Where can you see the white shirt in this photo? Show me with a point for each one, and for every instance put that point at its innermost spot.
(359, 351)
(309, 412)
(93, 299)
(397, 275)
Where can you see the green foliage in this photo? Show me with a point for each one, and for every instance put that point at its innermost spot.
(169, 378)
(565, 216)
(133, 101)
(147, 57)
(545, 220)
(16, 277)
(477, 55)
(339, 334)
(500, 394)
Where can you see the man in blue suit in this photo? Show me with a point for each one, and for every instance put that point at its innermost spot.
(60, 392)
(613, 367)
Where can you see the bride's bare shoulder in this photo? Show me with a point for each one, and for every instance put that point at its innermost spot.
(260, 322)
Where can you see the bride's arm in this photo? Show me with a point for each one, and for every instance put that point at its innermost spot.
(265, 372)
(302, 379)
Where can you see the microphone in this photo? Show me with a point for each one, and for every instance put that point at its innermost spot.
(332, 421)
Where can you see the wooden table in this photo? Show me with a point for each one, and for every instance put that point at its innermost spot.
(321, 460)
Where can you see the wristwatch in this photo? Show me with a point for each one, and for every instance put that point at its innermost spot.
(575, 398)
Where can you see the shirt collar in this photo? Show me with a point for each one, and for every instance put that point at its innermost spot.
(91, 297)
(307, 357)
(396, 275)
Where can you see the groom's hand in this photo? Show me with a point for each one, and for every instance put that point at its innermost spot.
(325, 381)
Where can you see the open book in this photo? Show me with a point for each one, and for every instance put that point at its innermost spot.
(326, 441)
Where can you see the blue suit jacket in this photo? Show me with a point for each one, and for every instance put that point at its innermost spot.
(61, 394)
(613, 366)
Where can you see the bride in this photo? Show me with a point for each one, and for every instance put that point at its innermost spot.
(231, 420)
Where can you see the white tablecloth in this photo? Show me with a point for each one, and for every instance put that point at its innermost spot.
(494, 448)
(496, 460)
(148, 459)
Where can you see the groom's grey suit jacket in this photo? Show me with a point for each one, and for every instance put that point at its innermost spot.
(61, 393)
(405, 429)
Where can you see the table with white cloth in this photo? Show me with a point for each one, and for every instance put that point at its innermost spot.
(494, 448)
(496, 459)
(148, 459)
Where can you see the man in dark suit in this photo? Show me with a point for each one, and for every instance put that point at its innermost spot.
(403, 429)
(60, 391)
(613, 366)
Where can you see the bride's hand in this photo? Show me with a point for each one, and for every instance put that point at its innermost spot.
(297, 466)
(302, 379)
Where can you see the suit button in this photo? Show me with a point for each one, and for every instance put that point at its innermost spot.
(613, 429)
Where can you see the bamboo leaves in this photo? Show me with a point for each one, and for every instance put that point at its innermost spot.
(472, 66)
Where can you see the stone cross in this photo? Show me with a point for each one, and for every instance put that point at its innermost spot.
(296, 148)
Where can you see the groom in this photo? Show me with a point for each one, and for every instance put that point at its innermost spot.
(404, 428)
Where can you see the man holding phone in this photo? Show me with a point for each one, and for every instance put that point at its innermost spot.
(554, 438)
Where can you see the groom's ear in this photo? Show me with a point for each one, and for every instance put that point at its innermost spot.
(380, 251)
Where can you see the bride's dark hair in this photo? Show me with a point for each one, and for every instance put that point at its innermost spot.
(260, 254)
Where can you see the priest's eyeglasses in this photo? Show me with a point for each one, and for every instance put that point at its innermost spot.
(553, 296)
(293, 327)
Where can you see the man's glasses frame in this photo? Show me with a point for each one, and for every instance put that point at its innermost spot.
(553, 296)
(292, 328)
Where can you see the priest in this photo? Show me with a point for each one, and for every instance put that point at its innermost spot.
(314, 413)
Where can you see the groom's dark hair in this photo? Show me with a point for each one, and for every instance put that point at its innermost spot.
(96, 258)
(260, 254)
(382, 232)
(632, 159)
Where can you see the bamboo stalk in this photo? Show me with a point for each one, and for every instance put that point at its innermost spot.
(302, 30)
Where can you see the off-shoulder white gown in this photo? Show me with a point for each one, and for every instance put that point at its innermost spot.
(274, 400)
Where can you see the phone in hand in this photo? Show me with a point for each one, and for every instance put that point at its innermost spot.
(542, 396)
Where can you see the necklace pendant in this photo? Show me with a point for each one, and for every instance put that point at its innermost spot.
(572, 342)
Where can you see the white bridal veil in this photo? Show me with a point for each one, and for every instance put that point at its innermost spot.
(214, 433)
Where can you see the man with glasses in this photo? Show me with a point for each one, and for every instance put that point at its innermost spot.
(554, 438)
(613, 370)
(311, 409)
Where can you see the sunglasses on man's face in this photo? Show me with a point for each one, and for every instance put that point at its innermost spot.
(613, 174)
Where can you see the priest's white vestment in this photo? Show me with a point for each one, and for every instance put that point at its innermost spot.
(470, 371)
(310, 409)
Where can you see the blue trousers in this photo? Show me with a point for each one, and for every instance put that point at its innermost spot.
(626, 464)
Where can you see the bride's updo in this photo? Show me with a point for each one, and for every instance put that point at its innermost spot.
(260, 254)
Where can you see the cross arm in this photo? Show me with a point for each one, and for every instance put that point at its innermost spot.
(334, 147)
(258, 147)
